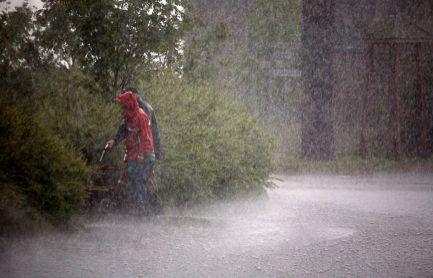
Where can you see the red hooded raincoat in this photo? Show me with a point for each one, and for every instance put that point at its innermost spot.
(138, 141)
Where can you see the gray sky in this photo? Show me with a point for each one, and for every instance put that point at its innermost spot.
(14, 3)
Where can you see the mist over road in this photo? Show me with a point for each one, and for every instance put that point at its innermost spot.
(310, 226)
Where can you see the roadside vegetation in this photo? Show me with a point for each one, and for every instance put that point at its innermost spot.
(58, 110)
(214, 147)
(354, 165)
(42, 178)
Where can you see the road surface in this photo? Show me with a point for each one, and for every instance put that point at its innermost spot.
(310, 226)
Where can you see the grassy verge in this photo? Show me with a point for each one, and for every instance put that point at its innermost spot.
(353, 165)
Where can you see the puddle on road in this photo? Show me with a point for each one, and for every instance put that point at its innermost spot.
(336, 233)
(237, 232)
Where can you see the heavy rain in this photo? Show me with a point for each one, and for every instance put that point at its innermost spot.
(231, 138)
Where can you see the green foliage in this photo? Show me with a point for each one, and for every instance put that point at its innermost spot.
(41, 179)
(18, 53)
(271, 54)
(203, 52)
(252, 53)
(70, 104)
(16, 47)
(60, 69)
(214, 148)
(113, 40)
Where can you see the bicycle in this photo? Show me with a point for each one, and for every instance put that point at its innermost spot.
(111, 194)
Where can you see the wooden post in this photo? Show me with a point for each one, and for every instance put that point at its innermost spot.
(364, 144)
(422, 143)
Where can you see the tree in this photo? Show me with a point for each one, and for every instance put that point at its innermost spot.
(251, 49)
(271, 69)
(203, 59)
(113, 40)
(19, 55)
(271, 60)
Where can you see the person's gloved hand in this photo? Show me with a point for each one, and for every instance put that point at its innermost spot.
(140, 158)
(110, 143)
(159, 155)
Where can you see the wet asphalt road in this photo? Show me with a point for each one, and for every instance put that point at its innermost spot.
(310, 226)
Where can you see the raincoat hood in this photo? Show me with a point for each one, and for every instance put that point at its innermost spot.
(130, 103)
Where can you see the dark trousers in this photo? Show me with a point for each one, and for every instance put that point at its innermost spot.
(137, 176)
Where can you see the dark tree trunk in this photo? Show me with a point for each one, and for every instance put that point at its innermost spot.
(365, 148)
(317, 43)
(394, 129)
(423, 137)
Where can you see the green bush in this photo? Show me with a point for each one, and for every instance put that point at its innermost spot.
(75, 109)
(214, 148)
(41, 179)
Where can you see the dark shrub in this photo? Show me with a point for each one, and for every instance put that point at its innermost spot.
(41, 179)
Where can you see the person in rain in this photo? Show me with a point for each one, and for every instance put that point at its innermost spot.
(137, 136)
(147, 108)
(155, 202)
